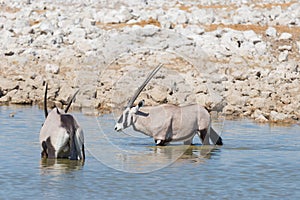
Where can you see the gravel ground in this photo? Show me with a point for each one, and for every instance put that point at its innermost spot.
(239, 58)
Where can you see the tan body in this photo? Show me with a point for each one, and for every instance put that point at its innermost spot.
(171, 123)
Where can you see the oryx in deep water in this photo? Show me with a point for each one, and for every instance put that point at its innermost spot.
(168, 123)
(61, 136)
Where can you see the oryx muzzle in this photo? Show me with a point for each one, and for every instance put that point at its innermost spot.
(61, 136)
(166, 122)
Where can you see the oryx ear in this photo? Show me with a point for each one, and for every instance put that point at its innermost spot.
(141, 103)
(137, 107)
(57, 111)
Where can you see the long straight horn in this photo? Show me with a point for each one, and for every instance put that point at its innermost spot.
(69, 105)
(45, 101)
(140, 89)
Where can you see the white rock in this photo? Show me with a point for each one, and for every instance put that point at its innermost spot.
(110, 17)
(251, 36)
(181, 18)
(285, 47)
(52, 68)
(261, 119)
(298, 45)
(87, 23)
(46, 27)
(271, 31)
(256, 113)
(285, 36)
(283, 56)
(261, 48)
(124, 15)
(258, 102)
(147, 31)
(159, 93)
(276, 117)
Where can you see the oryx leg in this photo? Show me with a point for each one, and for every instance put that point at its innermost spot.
(44, 153)
(79, 144)
(73, 147)
(215, 138)
(162, 138)
(160, 142)
(188, 142)
(204, 136)
(48, 149)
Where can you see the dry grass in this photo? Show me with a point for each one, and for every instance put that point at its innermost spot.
(7, 9)
(108, 26)
(271, 5)
(256, 4)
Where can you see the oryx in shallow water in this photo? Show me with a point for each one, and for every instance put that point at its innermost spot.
(167, 123)
(61, 135)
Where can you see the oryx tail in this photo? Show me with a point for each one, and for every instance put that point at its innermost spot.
(215, 138)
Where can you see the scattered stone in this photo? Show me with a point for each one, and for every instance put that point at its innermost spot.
(285, 47)
(10, 53)
(12, 114)
(277, 117)
(283, 56)
(242, 71)
(261, 119)
(271, 32)
(251, 36)
(51, 68)
(298, 45)
(285, 36)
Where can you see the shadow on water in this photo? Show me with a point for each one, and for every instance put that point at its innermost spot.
(59, 166)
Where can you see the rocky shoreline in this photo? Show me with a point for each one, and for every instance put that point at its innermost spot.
(238, 59)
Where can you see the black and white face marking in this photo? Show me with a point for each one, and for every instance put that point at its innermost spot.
(126, 118)
(123, 121)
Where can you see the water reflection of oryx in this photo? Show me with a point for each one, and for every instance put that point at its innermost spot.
(61, 136)
(190, 153)
(168, 123)
(59, 166)
(158, 157)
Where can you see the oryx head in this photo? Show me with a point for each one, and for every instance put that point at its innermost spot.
(126, 119)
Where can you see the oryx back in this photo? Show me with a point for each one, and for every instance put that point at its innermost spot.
(170, 122)
(61, 136)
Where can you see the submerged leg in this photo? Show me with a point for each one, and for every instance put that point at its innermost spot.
(204, 136)
(44, 153)
(160, 142)
(49, 147)
(83, 153)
